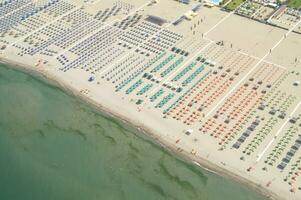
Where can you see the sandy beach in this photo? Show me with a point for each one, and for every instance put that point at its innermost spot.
(149, 132)
(218, 90)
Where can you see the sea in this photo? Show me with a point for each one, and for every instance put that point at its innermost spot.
(53, 146)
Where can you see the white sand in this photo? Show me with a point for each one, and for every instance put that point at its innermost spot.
(250, 41)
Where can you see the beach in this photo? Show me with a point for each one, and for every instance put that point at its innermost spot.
(56, 146)
(217, 89)
(160, 139)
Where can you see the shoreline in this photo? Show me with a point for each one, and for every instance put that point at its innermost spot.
(204, 163)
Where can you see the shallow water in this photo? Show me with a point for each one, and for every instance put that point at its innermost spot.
(53, 147)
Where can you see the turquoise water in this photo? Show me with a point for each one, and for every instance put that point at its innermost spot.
(54, 147)
(216, 2)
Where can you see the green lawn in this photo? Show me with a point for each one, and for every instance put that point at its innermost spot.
(224, 2)
(294, 3)
(235, 3)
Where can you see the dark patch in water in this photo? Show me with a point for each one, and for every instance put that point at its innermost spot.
(197, 172)
(99, 128)
(78, 132)
(49, 124)
(183, 184)
(117, 124)
(134, 166)
(133, 148)
(40, 133)
(159, 190)
(132, 155)
(25, 149)
(110, 139)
